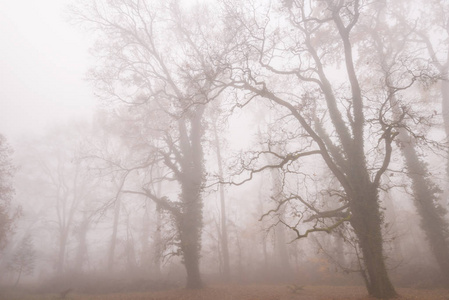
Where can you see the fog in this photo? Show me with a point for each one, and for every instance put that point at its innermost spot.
(219, 149)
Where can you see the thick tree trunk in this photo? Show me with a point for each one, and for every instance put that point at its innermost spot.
(366, 221)
(190, 219)
(432, 220)
(190, 237)
(192, 265)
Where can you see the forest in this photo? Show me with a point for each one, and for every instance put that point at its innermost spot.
(260, 149)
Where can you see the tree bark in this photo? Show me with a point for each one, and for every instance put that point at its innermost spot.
(366, 221)
(189, 227)
(190, 220)
(432, 219)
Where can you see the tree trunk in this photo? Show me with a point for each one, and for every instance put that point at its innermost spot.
(445, 109)
(424, 191)
(81, 252)
(283, 264)
(131, 261)
(145, 257)
(280, 246)
(224, 227)
(366, 221)
(260, 213)
(157, 246)
(190, 237)
(432, 219)
(113, 241)
(62, 251)
(157, 234)
(190, 219)
(18, 278)
(391, 217)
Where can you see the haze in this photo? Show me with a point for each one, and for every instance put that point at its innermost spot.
(281, 149)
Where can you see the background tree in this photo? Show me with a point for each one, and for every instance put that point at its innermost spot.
(391, 55)
(23, 259)
(60, 180)
(223, 232)
(7, 170)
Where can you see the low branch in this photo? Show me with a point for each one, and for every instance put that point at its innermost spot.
(335, 213)
(163, 202)
(316, 229)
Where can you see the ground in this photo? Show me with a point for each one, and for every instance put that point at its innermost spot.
(244, 292)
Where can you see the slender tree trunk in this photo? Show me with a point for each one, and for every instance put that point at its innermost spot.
(339, 249)
(280, 248)
(62, 250)
(18, 278)
(145, 252)
(224, 227)
(157, 234)
(130, 249)
(445, 112)
(260, 213)
(81, 253)
(157, 247)
(391, 217)
(113, 240)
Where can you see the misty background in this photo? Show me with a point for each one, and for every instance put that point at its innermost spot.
(150, 145)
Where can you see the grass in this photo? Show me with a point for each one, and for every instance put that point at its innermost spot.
(241, 292)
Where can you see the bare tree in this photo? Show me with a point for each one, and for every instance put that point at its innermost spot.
(115, 223)
(63, 180)
(166, 86)
(23, 259)
(391, 54)
(290, 54)
(7, 170)
(432, 32)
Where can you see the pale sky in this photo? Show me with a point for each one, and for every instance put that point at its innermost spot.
(43, 63)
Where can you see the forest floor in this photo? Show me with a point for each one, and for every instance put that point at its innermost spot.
(242, 292)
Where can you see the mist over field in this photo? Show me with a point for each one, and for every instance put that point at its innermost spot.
(224, 149)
